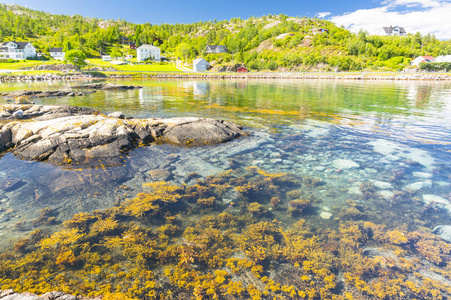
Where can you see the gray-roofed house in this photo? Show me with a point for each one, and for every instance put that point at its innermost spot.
(57, 53)
(210, 49)
(393, 30)
(200, 65)
(17, 50)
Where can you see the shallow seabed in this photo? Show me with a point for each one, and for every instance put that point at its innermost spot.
(342, 190)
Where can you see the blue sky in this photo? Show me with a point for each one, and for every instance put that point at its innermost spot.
(179, 11)
(425, 16)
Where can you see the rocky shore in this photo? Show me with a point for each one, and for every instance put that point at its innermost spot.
(354, 76)
(11, 295)
(23, 96)
(69, 135)
(255, 76)
(106, 87)
(58, 77)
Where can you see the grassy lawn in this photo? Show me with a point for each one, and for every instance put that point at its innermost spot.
(134, 67)
(25, 64)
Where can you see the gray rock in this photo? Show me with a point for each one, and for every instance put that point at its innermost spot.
(5, 293)
(422, 175)
(18, 114)
(116, 114)
(10, 184)
(418, 185)
(444, 231)
(160, 175)
(57, 296)
(23, 296)
(230, 196)
(199, 132)
(383, 185)
(106, 86)
(85, 138)
(345, 164)
(438, 201)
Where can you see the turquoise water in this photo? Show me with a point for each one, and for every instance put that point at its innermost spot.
(369, 171)
(345, 133)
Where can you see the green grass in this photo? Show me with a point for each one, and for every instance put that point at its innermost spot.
(25, 64)
(135, 67)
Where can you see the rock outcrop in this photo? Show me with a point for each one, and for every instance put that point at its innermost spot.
(91, 86)
(106, 86)
(42, 112)
(42, 94)
(84, 138)
(55, 295)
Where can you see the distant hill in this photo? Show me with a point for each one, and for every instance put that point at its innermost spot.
(273, 42)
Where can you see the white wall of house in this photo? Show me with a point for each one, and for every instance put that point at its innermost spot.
(12, 50)
(200, 65)
(145, 52)
(420, 59)
(58, 55)
(106, 57)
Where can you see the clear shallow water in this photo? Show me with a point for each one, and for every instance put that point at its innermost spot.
(371, 151)
(344, 133)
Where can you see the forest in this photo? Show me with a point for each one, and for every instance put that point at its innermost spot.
(271, 42)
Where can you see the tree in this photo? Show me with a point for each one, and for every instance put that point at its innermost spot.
(76, 57)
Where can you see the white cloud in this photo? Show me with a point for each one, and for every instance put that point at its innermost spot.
(424, 16)
(323, 14)
(412, 3)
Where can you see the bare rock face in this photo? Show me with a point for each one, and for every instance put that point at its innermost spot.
(84, 138)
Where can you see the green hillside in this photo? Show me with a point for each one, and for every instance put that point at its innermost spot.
(273, 42)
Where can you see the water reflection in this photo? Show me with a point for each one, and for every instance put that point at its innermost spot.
(345, 133)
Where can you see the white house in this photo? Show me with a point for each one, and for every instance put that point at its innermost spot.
(106, 57)
(145, 52)
(393, 30)
(420, 59)
(200, 65)
(128, 56)
(17, 50)
(443, 58)
(57, 53)
(215, 49)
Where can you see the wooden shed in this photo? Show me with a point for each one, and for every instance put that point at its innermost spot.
(241, 70)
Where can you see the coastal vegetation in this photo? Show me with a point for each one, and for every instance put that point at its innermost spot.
(272, 42)
(172, 242)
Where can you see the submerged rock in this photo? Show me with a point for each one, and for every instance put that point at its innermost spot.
(325, 215)
(444, 232)
(10, 184)
(437, 200)
(418, 185)
(83, 138)
(159, 174)
(345, 164)
(383, 185)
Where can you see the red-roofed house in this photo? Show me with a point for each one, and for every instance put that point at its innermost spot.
(420, 59)
(241, 70)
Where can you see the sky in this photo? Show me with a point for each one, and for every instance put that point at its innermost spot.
(424, 16)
